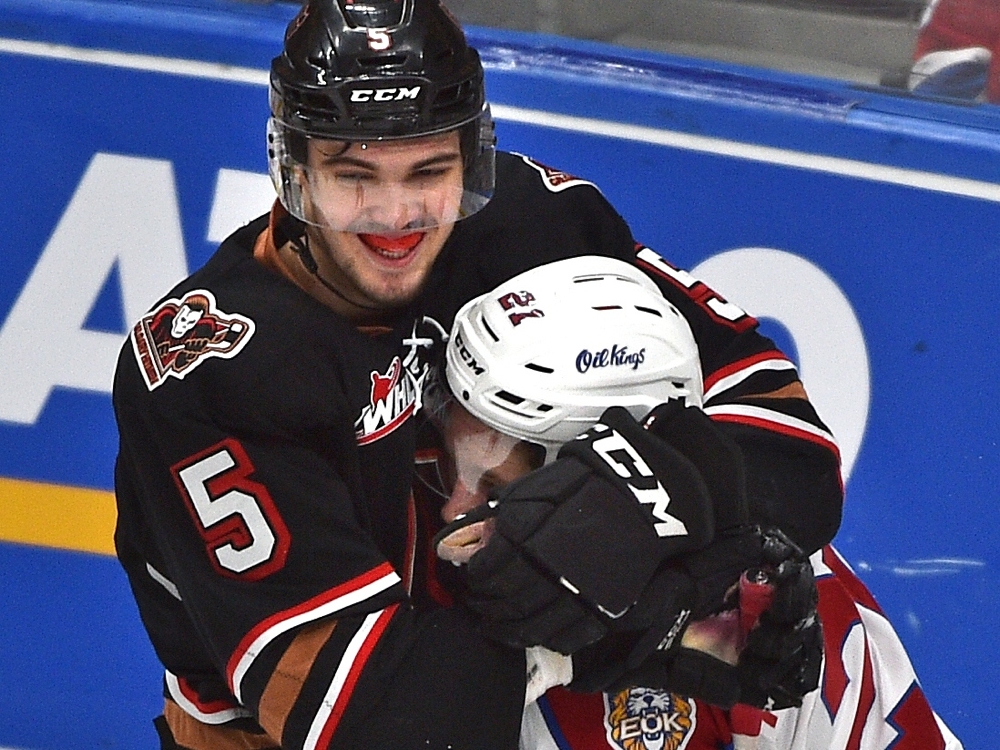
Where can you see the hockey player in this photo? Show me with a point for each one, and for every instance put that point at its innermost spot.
(265, 518)
(534, 389)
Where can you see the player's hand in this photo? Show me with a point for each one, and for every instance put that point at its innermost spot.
(764, 648)
(577, 542)
(196, 345)
(781, 661)
(684, 634)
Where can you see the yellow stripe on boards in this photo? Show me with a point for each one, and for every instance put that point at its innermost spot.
(52, 515)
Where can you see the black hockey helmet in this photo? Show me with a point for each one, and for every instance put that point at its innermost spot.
(372, 70)
(375, 69)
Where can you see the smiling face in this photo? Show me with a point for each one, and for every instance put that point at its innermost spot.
(380, 212)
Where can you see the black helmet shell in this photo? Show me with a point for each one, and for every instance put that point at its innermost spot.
(375, 69)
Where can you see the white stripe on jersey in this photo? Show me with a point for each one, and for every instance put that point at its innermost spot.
(535, 732)
(163, 581)
(329, 703)
(348, 599)
(191, 709)
(730, 381)
(781, 422)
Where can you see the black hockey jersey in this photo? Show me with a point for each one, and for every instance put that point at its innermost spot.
(265, 516)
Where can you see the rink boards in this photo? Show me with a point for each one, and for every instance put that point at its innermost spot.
(861, 227)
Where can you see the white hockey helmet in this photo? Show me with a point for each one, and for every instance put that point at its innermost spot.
(543, 355)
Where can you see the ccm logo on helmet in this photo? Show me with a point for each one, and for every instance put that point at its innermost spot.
(467, 357)
(385, 95)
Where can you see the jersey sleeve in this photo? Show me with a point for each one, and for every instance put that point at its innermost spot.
(870, 696)
(752, 391)
(251, 565)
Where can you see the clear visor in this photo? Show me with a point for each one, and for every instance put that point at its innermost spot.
(479, 458)
(389, 187)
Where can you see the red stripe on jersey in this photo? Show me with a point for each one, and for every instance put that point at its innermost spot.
(849, 580)
(321, 605)
(779, 423)
(206, 707)
(865, 702)
(357, 666)
(746, 363)
(840, 617)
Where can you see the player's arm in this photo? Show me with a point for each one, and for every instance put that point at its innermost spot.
(307, 623)
(753, 393)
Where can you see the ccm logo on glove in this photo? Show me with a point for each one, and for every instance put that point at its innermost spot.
(626, 462)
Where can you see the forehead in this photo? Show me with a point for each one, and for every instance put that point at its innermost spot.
(401, 149)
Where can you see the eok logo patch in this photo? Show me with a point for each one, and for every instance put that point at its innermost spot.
(646, 719)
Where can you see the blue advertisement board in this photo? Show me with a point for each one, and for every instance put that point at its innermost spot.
(860, 226)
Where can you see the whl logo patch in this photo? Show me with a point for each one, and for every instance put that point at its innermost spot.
(180, 334)
(393, 400)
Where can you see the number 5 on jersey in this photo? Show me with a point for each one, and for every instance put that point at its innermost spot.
(244, 535)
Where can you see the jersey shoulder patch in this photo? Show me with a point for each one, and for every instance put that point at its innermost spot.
(554, 180)
(181, 333)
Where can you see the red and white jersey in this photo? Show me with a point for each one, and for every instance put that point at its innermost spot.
(869, 697)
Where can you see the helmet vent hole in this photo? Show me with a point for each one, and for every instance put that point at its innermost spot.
(539, 368)
(608, 307)
(382, 61)
(510, 398)
(649, 310)
(545, 407)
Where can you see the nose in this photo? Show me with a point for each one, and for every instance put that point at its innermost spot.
(462, 500)
(395, 207)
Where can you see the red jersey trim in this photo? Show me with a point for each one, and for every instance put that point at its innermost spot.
(207, 712)
(774, 421)
(345, 679)
(347, 594)
(735, 373)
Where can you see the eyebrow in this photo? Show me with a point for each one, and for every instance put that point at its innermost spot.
(371, 167)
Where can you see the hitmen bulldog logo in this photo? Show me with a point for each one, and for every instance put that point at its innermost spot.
(645, 719)
(180, 334)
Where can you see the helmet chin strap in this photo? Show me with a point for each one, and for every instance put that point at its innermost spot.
(299, 241)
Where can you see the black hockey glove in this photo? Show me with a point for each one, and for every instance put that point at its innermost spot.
(775, 627)
(578, 541)
(783, 655)
(647, 646)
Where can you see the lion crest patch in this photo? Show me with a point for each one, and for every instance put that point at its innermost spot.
(646, 719)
